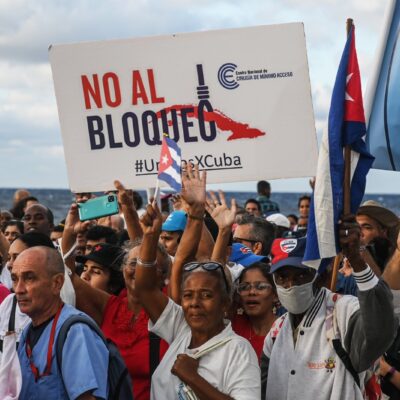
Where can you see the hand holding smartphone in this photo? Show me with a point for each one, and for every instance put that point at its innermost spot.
(98, 207)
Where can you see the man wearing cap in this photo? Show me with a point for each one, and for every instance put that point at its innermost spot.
(172, 230)
(243, 255)
(321, 348)
(376, 221)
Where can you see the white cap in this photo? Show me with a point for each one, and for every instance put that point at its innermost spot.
(279, 220)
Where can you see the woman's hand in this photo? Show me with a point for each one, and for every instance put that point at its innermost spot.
(185, 367)
(178, 203)
(219, 211)
(193, 185)
(151, 220)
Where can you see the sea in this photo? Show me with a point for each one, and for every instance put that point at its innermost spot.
(59, 200)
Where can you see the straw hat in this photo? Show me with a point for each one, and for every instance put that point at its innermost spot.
(375, 210)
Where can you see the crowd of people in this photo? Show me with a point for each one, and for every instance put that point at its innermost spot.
(205, 300)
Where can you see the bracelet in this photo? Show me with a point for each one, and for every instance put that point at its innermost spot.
(146, 264)
(195, 217)
(391, 372)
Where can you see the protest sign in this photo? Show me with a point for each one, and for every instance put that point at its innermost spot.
(236, 101)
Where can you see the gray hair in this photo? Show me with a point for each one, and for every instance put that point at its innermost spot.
(54, 263)
(262, 231)
(227, 292)
(166, 264)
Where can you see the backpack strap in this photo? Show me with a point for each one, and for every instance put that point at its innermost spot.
(333, 335)
(11, 321)
(341, 352)
(154, 348)
(62, 336)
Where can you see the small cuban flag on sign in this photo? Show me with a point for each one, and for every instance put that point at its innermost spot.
(169, 168)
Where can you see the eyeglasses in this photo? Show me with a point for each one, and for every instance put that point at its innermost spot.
(207, 266)
(258, 286)
(241, 240)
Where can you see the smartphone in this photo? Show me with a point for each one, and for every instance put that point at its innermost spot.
(98, 207)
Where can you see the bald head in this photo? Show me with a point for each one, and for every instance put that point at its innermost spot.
(42, 257)
(38, 276)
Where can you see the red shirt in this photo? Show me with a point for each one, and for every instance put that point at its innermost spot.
(131, 336)
(4, 292)
(241, 325)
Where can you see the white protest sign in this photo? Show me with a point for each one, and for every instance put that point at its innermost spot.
(236, 101)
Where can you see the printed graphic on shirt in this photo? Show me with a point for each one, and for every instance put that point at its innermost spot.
(328, 364)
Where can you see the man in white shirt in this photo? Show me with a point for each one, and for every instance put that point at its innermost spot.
(301, 353)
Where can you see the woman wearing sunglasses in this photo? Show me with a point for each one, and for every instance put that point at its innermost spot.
(257, 300)
(206, 359)
(256, 289)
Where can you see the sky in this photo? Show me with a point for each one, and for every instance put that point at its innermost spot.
(31, 152)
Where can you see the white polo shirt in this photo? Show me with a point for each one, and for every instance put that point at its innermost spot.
(232, 368)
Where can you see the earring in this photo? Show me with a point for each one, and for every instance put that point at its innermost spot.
(239, 311)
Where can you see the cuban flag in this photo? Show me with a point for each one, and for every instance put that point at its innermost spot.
(346, 126)
(169, 168)
(382, 97)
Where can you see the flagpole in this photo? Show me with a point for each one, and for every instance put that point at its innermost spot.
(346, 186)
(347, 155)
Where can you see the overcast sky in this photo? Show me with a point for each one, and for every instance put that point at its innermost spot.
(31, 153)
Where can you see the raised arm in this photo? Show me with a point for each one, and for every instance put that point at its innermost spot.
(71, 229)
(88, 299)
(194, 193)
(144, 279)
(372, 328)
(206, 243)
(128, 209)
(224, 217)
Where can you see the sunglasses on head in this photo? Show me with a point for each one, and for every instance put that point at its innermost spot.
(207, 266)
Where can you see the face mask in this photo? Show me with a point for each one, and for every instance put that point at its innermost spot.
(297, 299)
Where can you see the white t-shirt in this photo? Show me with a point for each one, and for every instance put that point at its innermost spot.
(5, 277)
(21, 319)
(232, 368)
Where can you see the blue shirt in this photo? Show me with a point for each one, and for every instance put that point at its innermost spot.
(84, 363)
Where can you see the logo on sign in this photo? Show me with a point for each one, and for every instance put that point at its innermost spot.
(288, 245)
(229, 75)
(226, 76)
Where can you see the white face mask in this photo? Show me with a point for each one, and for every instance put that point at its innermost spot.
(297, 299)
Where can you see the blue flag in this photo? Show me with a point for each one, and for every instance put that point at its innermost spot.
(346, 126)
(383, 138)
